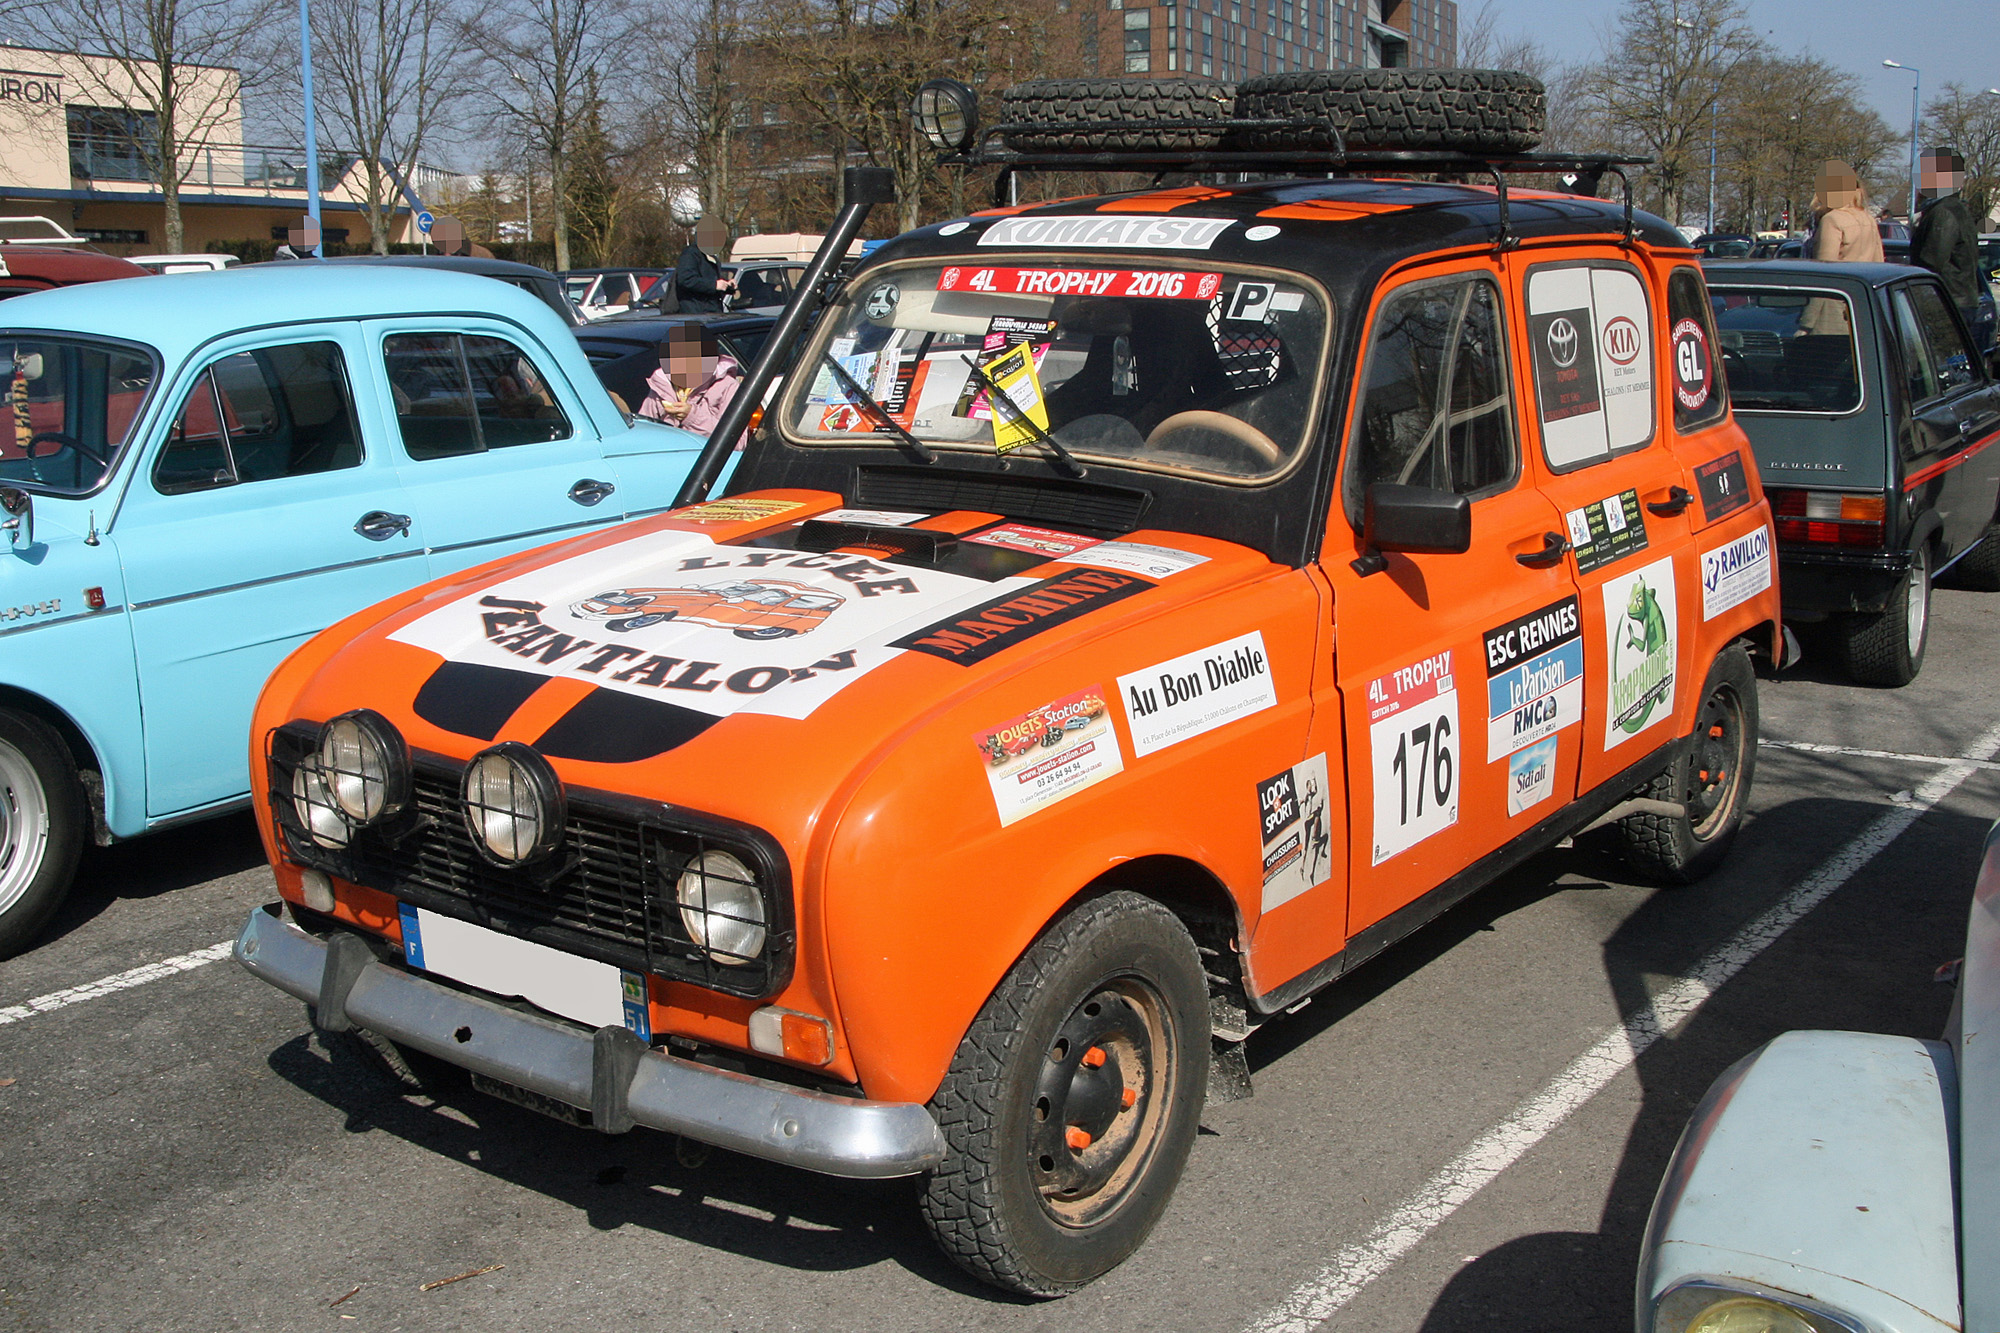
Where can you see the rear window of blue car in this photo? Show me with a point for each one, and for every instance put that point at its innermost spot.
(1788, 349)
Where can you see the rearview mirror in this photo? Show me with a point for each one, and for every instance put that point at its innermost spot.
(1416, 519)
(19, 507)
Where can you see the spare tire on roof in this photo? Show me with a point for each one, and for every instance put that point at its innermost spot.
(1460, 110)
(1050, 104)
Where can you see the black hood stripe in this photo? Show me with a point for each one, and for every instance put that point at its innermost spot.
(474, 700)
(613, 727)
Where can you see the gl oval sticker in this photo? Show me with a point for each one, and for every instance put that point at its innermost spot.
(1693, 374)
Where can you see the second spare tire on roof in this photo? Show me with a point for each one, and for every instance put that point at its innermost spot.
(1455, 110)
(1055, 107)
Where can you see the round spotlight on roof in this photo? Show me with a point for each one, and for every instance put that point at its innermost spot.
(946, 113)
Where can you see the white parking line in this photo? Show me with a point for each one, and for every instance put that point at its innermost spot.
(138, 976)
(1813, 747)
(1354, 1266)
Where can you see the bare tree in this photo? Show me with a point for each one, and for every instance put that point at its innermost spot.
(391, 73)
(1969, 123)
(168, 80)
(1779, 118)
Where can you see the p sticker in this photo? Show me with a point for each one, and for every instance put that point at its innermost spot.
(1251, 301)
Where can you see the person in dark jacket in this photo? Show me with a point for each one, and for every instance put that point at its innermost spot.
(697, 280)
(1946, 240)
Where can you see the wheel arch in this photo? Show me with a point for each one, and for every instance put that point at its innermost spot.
(83, 752)
(1192, 893)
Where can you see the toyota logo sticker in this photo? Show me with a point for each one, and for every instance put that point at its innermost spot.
(1562, 340)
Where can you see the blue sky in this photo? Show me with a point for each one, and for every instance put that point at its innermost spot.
(1946, 39)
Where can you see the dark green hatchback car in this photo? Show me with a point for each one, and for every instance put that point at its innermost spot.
(1875, 425)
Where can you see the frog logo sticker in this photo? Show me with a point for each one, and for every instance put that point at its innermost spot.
(1641, 628)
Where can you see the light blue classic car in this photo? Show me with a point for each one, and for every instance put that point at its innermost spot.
(199, 472)
(1844, 1182)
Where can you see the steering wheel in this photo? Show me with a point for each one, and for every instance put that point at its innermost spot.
(58, 438)
(1220, 423)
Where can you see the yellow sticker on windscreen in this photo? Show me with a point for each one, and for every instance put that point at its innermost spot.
(1013, 373)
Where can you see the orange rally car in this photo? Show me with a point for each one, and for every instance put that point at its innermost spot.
(1412, 535)
(754, 608)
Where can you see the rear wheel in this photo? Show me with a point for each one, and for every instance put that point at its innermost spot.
(1711, 782)
(626, 624)
(1888, 648)
(42, 827)
(1979, 570)
(1070, 1108)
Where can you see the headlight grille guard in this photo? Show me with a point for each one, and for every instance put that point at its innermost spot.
(606, 893)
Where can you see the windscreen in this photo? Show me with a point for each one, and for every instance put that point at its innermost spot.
(1208, 370)
(1787, 349)
(70, 404)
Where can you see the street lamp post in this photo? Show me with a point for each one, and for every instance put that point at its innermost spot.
(312, 133)
(1916, 83)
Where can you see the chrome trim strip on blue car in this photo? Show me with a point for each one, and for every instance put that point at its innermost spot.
(275, 578)
(538, 532)
(61, 620)
(839, 1136)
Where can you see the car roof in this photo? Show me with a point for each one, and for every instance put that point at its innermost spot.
(489, 268)
(178, 312)
(616, 268)
(1802, 272)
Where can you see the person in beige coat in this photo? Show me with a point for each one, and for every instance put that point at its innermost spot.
(1844, 233)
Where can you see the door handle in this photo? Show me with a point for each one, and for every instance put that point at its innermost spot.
(1677, 500)
(590, 491)
(1554, 547)
(379, 525)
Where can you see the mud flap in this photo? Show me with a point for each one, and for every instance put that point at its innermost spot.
(1228, 1073)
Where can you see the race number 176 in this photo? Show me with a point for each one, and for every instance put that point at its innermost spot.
(1415, 757)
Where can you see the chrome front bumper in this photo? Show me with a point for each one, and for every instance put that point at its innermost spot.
(610, 1072)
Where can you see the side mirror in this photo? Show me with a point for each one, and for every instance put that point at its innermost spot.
(19, 525)
(1417, 519)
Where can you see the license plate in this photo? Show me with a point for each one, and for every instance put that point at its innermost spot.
(582, 989)
(534, 1101)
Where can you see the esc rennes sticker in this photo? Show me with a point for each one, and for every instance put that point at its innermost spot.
(1641, 625)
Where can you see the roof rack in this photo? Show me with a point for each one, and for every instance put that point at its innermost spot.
(1339, 160)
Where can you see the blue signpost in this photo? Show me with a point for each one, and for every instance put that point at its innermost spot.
(312, 134)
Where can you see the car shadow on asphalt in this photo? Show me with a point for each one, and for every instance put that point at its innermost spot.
(157, 864)
(708, 1197)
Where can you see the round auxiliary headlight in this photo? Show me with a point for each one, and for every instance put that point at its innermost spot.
(1750, 1314)
(312, 802)
(722, 908)
(513, 804)
(366, 766)
(946, 113)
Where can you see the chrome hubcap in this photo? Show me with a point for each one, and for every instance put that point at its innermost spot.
(1918, 610)
(24, 825)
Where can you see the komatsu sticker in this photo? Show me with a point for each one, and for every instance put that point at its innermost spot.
(1413, 750)
(1641, 627)
(1095, 232)
(1169, 284)
(1534, 678)
(1531, 776)
(1735, 572)
(1049, 753)
(1177, 700)
(1292, 820)
(715, 628)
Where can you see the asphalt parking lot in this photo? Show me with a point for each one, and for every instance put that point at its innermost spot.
(1465, 1134)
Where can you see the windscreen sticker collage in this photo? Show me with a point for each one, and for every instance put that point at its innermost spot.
(1591, 331)
(1641, 628)
(1049, 753)
(1413, 748)
(1297, 842)
(1534, 688)
(1606, 530)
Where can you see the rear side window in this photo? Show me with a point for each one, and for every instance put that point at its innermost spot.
(1590, 327)
(261, 415)
(1920, 374)
(1951, 358)
(1700, 395)
(1787, 349)
(1436, 409)
(462, 394)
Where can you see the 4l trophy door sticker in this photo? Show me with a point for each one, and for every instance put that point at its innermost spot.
(1641, 625)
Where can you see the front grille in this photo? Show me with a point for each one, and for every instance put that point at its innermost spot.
(1062, 503)
(606, 893)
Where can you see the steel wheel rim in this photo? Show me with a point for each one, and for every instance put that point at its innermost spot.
(1118, 1100)
(1917, 613)
(1715, 766)
(24, 825)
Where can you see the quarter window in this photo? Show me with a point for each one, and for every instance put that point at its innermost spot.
(261, 415)
(1436, 409)
(461, 394)
(1951, 359)
(1590, 328)
(1920, 375)
(1694, 373)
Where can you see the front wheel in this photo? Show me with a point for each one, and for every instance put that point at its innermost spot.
(1710, 782)
(1071, 1105)
(42, 826)
(768, 632)
(645, 620)
(1888, 648)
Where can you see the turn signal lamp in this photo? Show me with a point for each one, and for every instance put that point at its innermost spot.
(804, 1038)
(1830, 518)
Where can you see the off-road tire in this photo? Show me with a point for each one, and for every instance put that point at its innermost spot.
(43, 825)
(1979, 569)
(982, 1203)
(1887, 648)
(1680, 849)
(1462, 110)
(1056, 102)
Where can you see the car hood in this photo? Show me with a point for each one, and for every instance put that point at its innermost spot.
(743, 686)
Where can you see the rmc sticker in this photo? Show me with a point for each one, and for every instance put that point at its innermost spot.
(1291, 820)
(1413, 749)
(1641, 627)
(1534, 678)
(1049, 753)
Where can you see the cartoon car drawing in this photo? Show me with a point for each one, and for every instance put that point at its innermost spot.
(754, 608)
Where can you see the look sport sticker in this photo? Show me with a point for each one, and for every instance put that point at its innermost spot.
(1292, 820)
(1413, 747)
(1693, 375)
(1049, 753)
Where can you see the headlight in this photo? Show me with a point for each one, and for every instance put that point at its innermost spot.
(946, 113)
(365, 765)
(312, 802)
(514, 805)
(722, 908)
(1704, 1306)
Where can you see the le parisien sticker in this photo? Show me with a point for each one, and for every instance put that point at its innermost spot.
(1049, 753)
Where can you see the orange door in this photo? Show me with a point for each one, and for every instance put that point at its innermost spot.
(1604, 457)
(1437, 774)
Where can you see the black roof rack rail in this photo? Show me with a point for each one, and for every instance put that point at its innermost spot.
(1339, 160)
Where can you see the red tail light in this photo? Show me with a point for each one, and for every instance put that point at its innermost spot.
(1829, 518)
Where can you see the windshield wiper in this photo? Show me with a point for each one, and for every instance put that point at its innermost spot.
(881, 413)
(1064, 457)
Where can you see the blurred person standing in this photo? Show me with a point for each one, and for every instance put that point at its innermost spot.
(1946, 240)
(1845, 230)
(698, 278)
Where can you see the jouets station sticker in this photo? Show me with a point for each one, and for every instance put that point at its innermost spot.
(1049, 753)
(1413, 751)
(736, 511)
